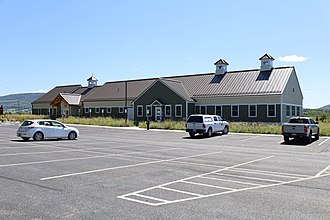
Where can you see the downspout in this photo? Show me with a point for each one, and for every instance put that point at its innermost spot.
(186, 109)
(281, 105)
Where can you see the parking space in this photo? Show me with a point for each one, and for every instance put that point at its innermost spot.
(120, 173)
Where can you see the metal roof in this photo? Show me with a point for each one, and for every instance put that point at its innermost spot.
(178, 88)
(50, 96)
(116, 90)
(232, 83)
(71, 99)
(237, 83)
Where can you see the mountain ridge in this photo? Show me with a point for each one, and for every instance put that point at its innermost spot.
(19, 101)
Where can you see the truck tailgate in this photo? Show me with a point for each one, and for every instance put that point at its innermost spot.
(294, 128)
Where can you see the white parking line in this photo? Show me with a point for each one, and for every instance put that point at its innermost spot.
(231, 181)
(324, 141)
(251, 138)
(106, 155)
(126, 196)
(199, 196)
(322, 171)
(126, 166)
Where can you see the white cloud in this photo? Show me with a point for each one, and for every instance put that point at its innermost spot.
(293, 58)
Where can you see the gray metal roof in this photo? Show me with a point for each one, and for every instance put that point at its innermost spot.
(50, 96)
(116, 90)
(237, 83)
(232, 83)
(178, 88)
(71, 99)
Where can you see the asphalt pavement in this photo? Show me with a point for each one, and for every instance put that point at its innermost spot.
(121, 173)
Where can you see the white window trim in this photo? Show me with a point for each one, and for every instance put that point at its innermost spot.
(293, 110)
(150, 113)
(86, 110)
(231, 111)
(176, 115)
(108, 109)
(97, 110)
(170, 111)
(215, 109)
(252, 116)
(200, 109)
(137, 112)
(121, 109)
(268, 116)
(286, 115)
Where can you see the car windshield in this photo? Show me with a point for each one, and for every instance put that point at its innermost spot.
(27, 123)
(299, 120)
(198, 119)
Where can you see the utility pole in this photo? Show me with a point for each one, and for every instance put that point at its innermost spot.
(126, 110)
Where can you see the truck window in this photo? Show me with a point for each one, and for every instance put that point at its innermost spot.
(196, 119)
(299, 121)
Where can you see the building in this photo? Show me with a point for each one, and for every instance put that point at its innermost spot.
(265, 94)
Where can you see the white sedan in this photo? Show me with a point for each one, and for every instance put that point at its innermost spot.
(46, 129)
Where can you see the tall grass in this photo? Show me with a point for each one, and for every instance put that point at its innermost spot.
(255, 128)
(101, 121)
(235, 127)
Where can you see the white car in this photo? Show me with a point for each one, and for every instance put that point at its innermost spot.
(206, 124)
(46, 129)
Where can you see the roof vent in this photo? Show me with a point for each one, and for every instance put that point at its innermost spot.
(221, 67)
(92, 82)
(266, 62)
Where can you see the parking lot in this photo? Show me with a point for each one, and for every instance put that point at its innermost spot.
(125, 173)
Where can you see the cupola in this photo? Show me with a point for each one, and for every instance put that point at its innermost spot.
(92, 82)
(220, 67)
(266, 62)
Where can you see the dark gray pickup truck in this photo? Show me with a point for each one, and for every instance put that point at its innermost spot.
(300, 128)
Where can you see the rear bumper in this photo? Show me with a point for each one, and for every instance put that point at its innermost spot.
(196, 131)
(293, 135)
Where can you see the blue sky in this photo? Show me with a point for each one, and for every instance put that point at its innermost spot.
(46, 43)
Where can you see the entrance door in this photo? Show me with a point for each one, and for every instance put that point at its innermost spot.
(158, 113)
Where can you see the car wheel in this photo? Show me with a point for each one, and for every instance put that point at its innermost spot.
(317, 136)
(25, 138)
(209, 132)
(225, 130)
(72, 135)
(192, 134)
(38, 136)
(309, 138)
(286, 139)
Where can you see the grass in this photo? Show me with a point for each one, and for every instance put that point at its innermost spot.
(235, 127)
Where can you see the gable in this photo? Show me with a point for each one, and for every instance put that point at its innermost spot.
(159, 92)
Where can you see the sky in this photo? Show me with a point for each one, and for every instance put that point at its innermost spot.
(48, 43)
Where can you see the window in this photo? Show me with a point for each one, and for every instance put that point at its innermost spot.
(97, 110)
(140, 110)
(109, 110)
(121, 109)
(287, 111)
(252, 111)
(218, 110)
(271, 112)
(168, 110)
(234, 111)
(203, 109)
(148, 110)
(298, 111)
(86, 110)
(293, 110)
(178, 110)
(215, 118)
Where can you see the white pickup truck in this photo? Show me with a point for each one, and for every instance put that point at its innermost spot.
(300, 128)
(206, 124)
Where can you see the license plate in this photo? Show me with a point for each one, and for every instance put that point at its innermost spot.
(194, 130)
(294, 134)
